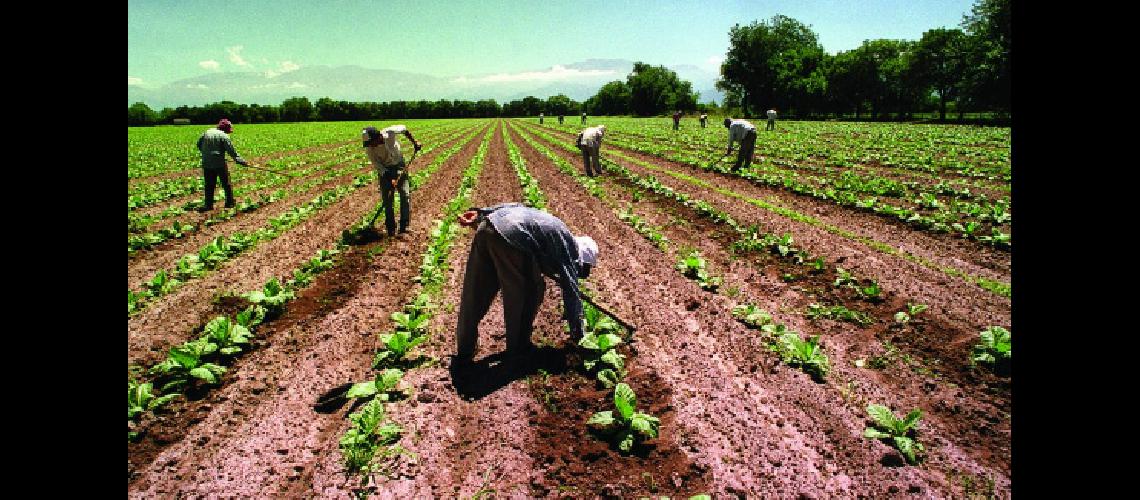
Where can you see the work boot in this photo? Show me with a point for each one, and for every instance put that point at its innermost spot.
(204, 209)
(230, 205)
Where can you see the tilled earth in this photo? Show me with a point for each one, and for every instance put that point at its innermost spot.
(735, 420)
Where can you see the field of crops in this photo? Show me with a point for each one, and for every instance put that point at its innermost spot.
(832, 322)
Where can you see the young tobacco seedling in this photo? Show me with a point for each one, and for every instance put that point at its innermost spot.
(994, 349)
(415, 324)
(751, 315)
(382, 387)
(804, 354)
(692, 266)
(227, 335)
(186, 361)
(627, 425)
(396, 346)
(273, 297)
(887, 426)
(601, 355)
(367, 433)
(140, 398)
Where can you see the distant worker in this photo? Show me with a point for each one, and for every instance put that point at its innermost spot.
(540, 118)
(383, 150)
(677, 120)
(590, 142)
(560, 117)
(744, 132)
(771, 119)
(214, 144)
(583, 118)
(514, 246)
(704, 120)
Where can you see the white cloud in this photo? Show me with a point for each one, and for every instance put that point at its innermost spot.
(552, 74)
(235, 56)
(133, 80)
(715, 60)
(196, 86)
(211, 65)
(284, 67)
(291, 85)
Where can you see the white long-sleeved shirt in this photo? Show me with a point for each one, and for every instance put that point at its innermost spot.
(737, 129)
(592, 136)
(388, 153)
(771, 114)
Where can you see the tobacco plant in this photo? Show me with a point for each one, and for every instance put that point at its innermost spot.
(626, 426)
(899, 431)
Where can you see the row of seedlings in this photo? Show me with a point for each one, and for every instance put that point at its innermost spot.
(370, 434)
(222, 249)
(994, 343)
(624, 426)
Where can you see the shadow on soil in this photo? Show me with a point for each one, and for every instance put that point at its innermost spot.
(477, 379)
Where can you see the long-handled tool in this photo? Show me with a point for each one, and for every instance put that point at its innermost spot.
(394, 179)
(267, 170)
(619, 321)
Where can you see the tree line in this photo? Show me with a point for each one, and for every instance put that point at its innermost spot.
(777, 63)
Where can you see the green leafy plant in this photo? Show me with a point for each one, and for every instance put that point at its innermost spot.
(899, 431)
(414, 323)
(838, 312)
(626, 426)
(368, 431)
(751, 315)
(141, 398)
(382, 387)
(251, 316)
(186, 362)
(805, 354)
(228, 336)
(693, 266)
(396, 346)
(995, 348)
(598, 322)
(273, 296)
(601, 358)
(904, 317)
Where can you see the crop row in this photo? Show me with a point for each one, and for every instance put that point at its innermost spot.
(222, 249)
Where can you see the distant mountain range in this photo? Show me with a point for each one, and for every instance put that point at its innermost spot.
(579, 81)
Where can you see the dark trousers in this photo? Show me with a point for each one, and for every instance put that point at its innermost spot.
(747, 146)
(771, 125)
(212, 175)
(590, 157)
(676, 125)
(494, 264)
(387, 192)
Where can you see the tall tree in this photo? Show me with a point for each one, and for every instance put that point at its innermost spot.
(751, 68)
(939, 62)
(988, 44)
(139, 114)
(296, 109)
(612, 99)
(656, 90)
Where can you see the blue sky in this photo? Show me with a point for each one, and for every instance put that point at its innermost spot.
(169, 40)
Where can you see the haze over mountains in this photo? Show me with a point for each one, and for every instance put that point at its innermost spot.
(579, 81)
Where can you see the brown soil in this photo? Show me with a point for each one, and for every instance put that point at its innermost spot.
(735, 420)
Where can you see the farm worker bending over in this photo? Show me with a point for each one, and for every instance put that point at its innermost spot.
(590, 142)
(771, 119)
(677, 120)
(514, 246)
(214, 144)
(704, 119)
(384, 151)
(744, 132)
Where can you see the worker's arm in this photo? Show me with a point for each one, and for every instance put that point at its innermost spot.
(233, 152)
(408, 134)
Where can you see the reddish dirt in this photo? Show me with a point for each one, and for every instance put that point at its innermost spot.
(735, 420)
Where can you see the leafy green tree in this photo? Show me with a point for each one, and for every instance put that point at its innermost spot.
(296, 109)
(938, 63)
(612, 99)
(560, 104)
(139, 114)
(988, 44)
(656, 90)
(752, 68)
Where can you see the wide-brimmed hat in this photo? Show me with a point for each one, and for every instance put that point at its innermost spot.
(368, 134)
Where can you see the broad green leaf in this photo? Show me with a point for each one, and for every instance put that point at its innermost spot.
(907, 447)
(602, 419)
(645, 424)
(204, 374)
(362, 389)
(240, 334)
(608, 377)
(625, 400)
(161, 401)
(911, 419)
(184, 357)
(230, 351)
(614, 359)
(874, 433)
(388, 379)
(625, 440)
(882, 416)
